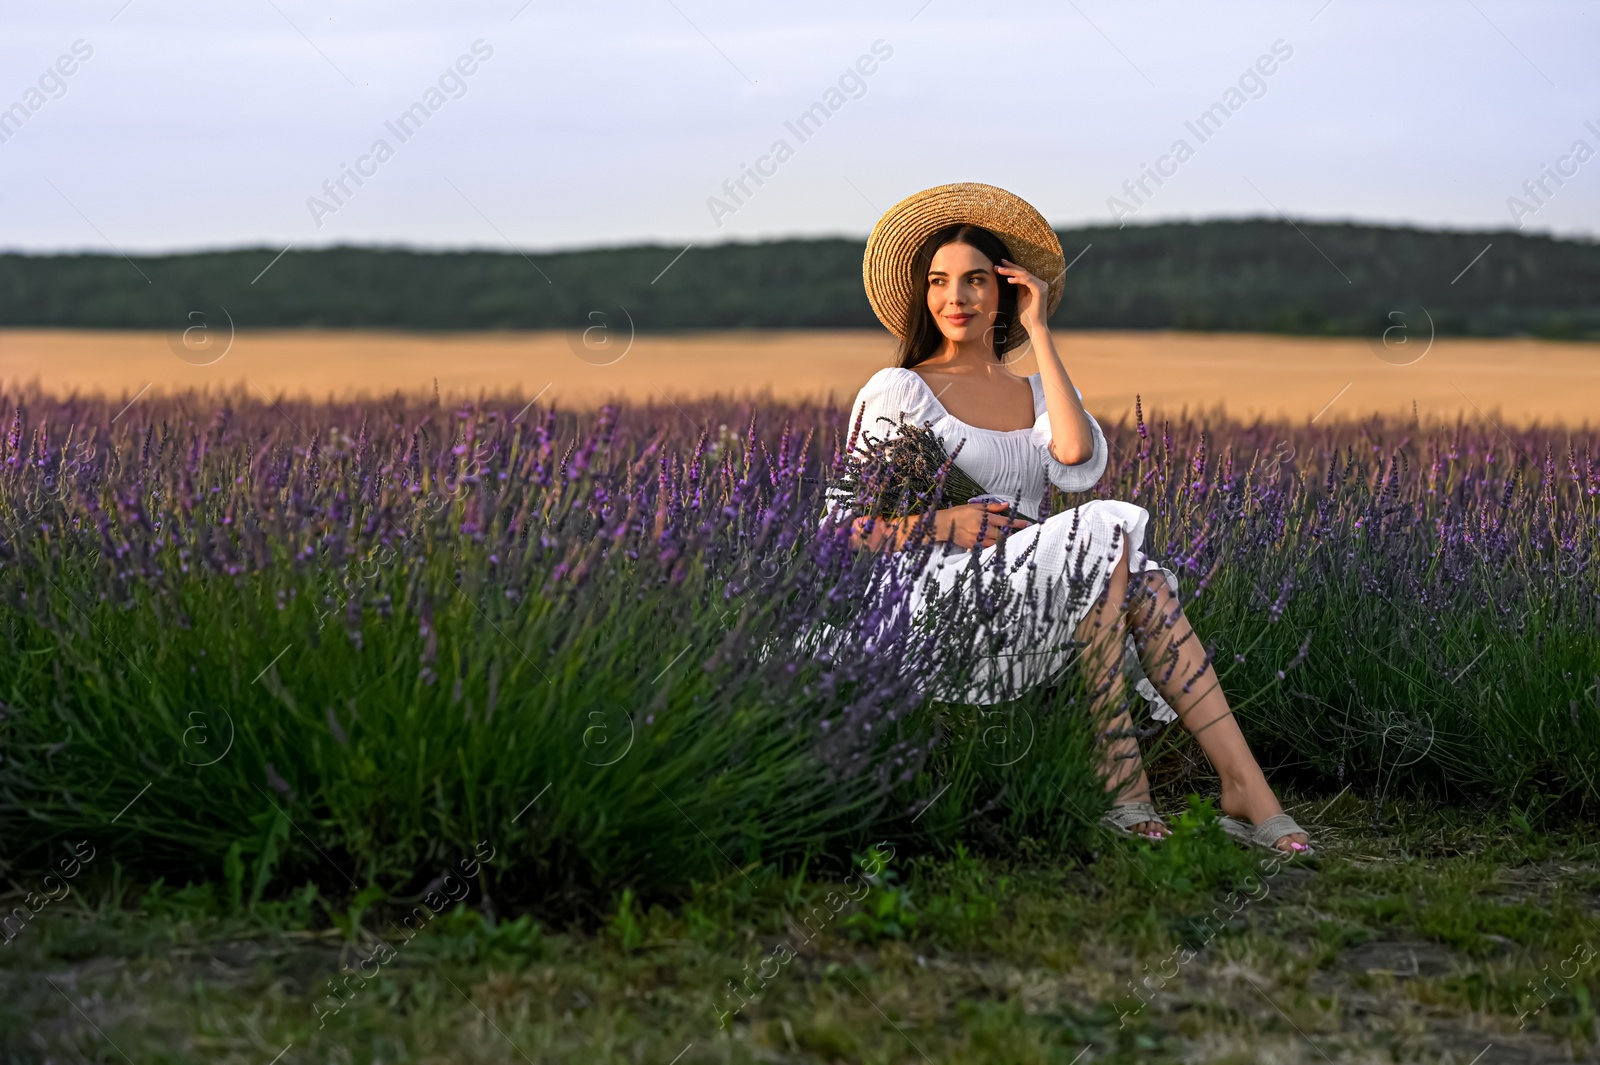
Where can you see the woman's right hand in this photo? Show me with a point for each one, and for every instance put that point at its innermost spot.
(974, 524)
(964, 526)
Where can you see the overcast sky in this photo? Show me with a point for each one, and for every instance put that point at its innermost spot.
(185, 124)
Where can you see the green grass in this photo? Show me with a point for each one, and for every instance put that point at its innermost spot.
(1425, 942)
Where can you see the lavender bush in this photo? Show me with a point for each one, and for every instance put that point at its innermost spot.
(259, 643)
(264, 643)
(1437, 589)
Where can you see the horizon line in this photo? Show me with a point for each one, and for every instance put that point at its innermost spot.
(661, 242)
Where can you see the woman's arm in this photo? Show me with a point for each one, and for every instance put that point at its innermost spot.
(1072, 437)
(878, 533)
(966, 525)
(894, 394)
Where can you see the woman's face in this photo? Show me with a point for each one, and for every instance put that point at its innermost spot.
(963, 292)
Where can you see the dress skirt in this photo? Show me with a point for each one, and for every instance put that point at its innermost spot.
(1040, 582)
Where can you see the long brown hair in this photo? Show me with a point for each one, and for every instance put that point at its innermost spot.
(922, 336)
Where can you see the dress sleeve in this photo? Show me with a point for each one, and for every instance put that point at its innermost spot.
(887, 394)
(1080, 477)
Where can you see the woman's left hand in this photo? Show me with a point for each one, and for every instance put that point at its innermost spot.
(1033, 296)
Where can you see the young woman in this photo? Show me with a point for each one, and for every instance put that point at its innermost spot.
(964, 274)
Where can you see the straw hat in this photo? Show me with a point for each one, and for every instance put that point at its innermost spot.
(886, 267)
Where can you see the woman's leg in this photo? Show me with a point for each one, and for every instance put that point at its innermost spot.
(1102, 634)
(1176, 663)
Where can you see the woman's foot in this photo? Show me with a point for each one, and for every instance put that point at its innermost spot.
(1116, 820)
(1255, 802)
(1131, 797)
(1138, 793)
(1126, 779)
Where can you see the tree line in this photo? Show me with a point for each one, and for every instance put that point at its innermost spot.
(1250, 275)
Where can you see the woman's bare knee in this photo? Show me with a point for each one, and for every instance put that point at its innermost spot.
(1155, 619)
(1164, 604)
(1117, 580)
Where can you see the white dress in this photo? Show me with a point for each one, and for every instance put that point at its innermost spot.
(1076, 547)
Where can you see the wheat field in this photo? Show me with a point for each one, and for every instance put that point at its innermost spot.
(1512, 382)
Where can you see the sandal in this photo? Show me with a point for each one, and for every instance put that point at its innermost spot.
(1267, 833)
(1122, 817)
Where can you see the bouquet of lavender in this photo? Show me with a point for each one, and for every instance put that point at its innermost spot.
(903, 474)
